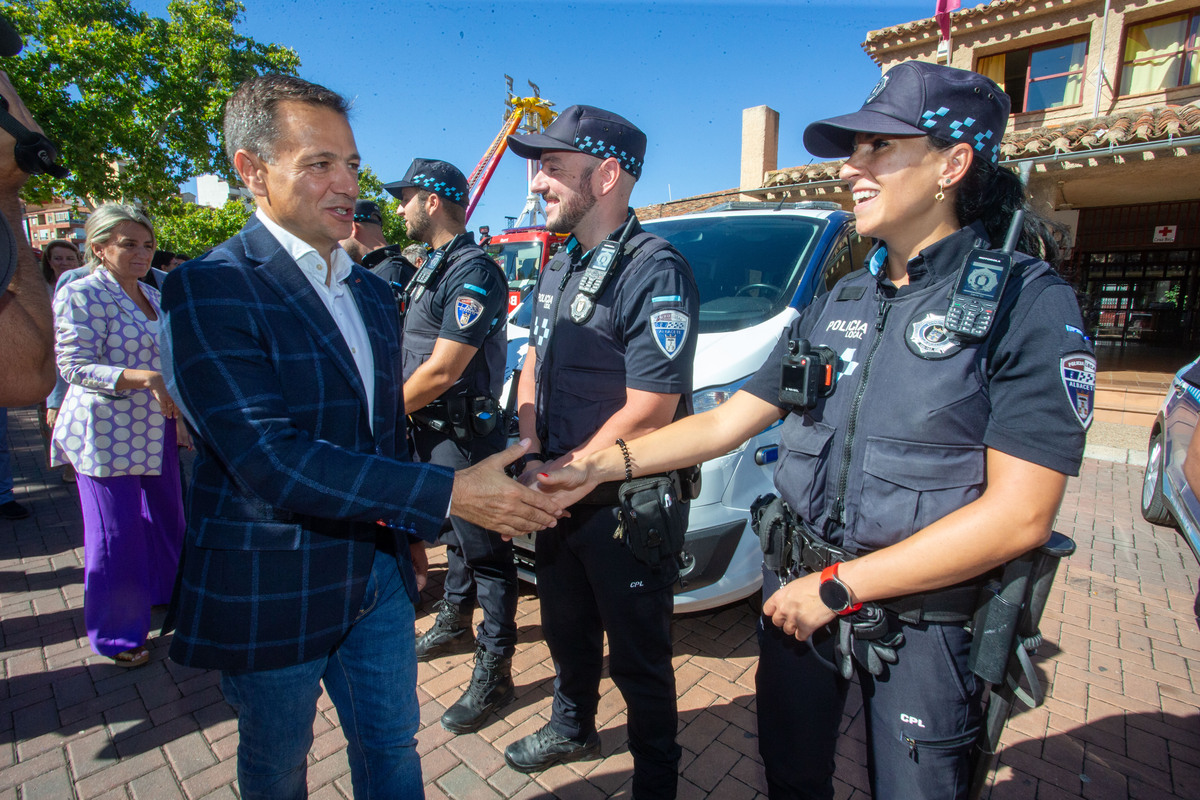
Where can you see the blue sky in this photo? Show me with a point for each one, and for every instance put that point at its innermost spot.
(428, 77)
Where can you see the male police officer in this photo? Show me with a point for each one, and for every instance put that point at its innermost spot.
(366, 232)
(610, 356)
(454, 348)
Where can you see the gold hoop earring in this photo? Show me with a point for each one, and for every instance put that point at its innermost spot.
(941, 195)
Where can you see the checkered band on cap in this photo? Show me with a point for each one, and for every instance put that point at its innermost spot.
(940, 122)
(433, 184)
(602, 149)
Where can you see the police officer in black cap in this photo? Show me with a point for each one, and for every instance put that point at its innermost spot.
(610, 356)
(366, 233)
(454, 349)
(920, 448)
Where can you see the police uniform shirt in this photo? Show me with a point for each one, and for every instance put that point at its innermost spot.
(641, 335)
(466, 303)
(931, 403)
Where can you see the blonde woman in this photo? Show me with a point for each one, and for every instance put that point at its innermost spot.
(117, 427)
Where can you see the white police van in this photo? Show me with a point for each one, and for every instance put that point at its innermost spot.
(756, 265)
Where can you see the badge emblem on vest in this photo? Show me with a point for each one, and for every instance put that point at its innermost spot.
(1079, 379)
(466, 310)
(581, 308)
(670, 328)
(928, 338)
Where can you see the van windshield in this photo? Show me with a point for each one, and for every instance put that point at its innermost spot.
(519, 260)
(747, 266)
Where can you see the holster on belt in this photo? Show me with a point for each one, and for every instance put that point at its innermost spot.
(789, 548)
(460, 418)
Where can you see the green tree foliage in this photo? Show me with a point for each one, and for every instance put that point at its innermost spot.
(193, 229)
(116, 86)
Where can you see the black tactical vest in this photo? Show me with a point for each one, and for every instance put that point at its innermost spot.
(899, 443)
(484, 375)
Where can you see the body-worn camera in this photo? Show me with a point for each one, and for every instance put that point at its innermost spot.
(809, 373)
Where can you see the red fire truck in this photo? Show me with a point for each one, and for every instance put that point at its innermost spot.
(521, 253)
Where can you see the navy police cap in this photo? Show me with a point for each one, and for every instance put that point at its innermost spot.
(439, 177)
(367, 211)
(918, 98)
(589, 130)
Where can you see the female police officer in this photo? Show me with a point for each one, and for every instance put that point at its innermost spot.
(934, 458)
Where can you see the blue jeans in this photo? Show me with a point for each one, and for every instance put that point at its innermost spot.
(6, 478)
(371, 678)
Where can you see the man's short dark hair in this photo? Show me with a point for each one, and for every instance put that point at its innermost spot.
(251, 121)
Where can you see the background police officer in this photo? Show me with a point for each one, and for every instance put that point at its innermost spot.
(609, 357)
(935, 458)
(454, 348)
(366, 233)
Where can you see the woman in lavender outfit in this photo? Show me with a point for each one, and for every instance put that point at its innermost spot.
(119, 428)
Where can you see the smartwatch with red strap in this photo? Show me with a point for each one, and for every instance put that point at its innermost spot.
(835, 594)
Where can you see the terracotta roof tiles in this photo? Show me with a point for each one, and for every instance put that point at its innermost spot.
(957, 19)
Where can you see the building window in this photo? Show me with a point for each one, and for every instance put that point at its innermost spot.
(1038, 78)
(62, 216)
(1161, 54)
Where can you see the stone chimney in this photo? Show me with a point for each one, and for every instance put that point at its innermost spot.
(760, 145)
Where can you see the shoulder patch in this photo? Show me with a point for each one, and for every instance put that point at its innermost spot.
(467, 310)
(1079, 380)
(670, 328)
(928, 338)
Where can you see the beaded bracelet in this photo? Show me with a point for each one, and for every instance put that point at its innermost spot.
(628, 464)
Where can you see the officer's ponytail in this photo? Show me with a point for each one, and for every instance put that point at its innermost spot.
(993, 194)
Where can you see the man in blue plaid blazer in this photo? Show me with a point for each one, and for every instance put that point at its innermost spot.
(296, 568)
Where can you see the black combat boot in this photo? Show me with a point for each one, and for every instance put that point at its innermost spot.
(451, 633)
(546, 747)
(491, 689)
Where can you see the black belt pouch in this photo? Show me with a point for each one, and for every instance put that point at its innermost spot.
(652, 518)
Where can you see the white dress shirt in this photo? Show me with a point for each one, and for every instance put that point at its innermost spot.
(336, 297)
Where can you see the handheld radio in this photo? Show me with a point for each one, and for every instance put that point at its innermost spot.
(979, 286)
(602, 263)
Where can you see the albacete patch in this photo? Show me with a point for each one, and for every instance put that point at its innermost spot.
(466, 311)
(1079, 379)
(928, 338)
(670, 330)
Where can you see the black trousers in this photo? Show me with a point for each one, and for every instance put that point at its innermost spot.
(590, 584)
(480, 566)
(923, 714)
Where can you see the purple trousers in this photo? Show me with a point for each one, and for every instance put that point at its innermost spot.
(132, 533)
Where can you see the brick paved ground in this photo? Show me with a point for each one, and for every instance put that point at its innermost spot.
(1122, 650)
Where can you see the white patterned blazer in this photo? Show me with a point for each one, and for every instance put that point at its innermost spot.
(101, 332)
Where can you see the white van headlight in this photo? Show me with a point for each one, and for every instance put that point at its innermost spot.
(710, 398)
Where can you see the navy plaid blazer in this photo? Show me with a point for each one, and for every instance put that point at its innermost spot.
(290, 479)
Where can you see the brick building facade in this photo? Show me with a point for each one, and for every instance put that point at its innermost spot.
(56, 220)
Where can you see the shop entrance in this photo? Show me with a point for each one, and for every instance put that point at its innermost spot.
(1137, 289)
